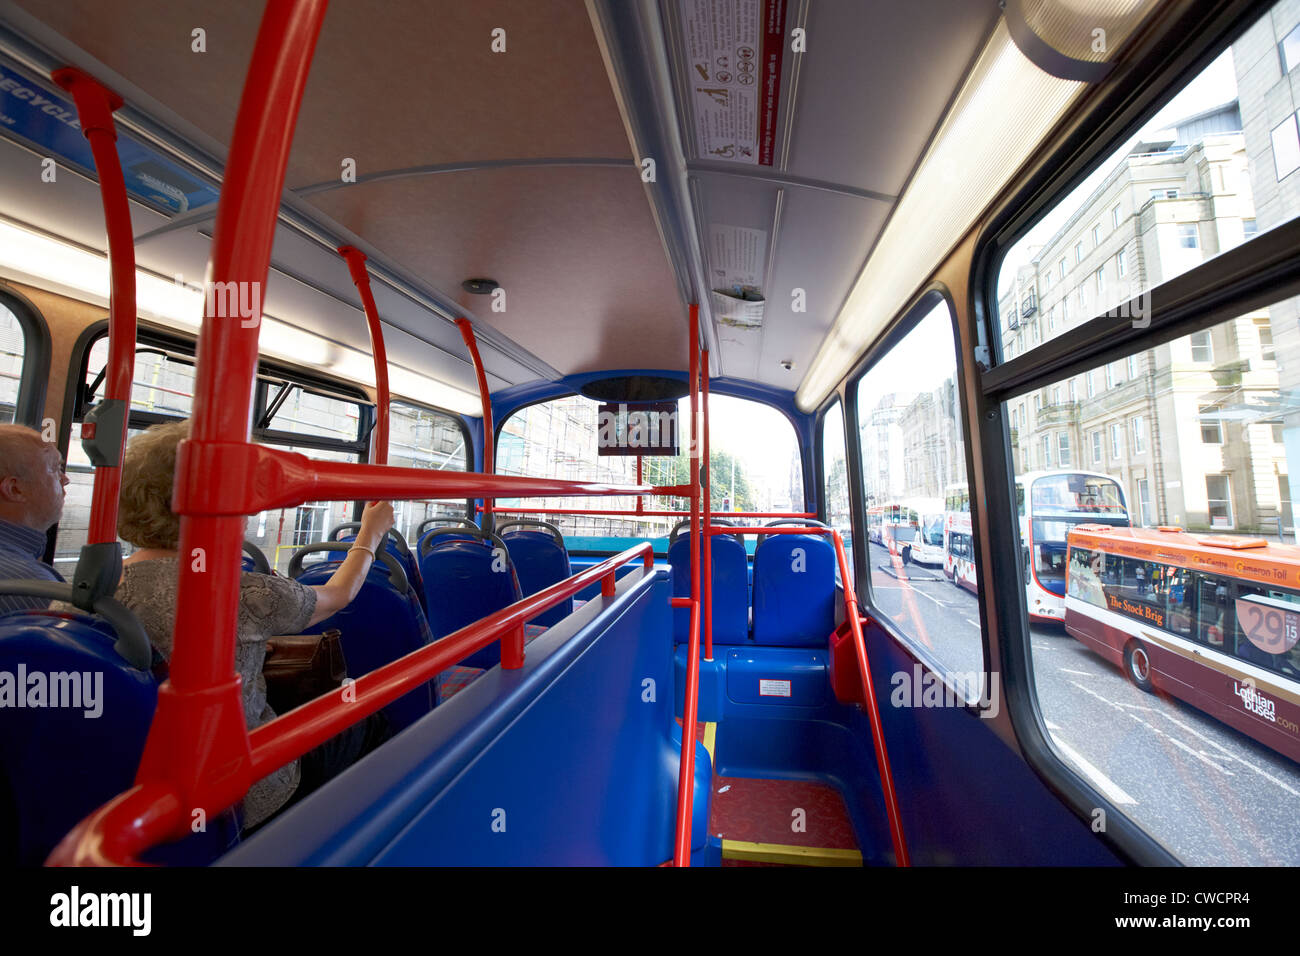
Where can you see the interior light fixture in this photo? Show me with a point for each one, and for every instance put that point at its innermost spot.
(1005, 108)
(29, 255)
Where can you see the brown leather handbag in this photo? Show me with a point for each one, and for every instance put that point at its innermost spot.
(302, 667)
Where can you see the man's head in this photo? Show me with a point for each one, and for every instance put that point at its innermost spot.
(31, 478)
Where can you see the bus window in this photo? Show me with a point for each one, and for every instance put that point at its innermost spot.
(423, 438)
(922, 570)
(1211, 610)
(12, 347)
(753, 453)
(1258, 627)
(835, 479)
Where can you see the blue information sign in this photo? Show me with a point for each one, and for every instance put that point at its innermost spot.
(30, 112)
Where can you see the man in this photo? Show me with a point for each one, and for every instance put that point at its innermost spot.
(32, 482)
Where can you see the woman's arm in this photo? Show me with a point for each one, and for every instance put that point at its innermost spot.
(338, 592)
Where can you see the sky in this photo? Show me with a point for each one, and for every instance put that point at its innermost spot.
(1216, 85)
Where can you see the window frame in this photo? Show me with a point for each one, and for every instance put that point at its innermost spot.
(1209, 293)
(33, 383)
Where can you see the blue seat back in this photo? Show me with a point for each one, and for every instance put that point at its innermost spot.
(540, 561)
(59, 763)
(410, 566)
(379, 626)
(794, 590)
(730, 589)
(464, 581)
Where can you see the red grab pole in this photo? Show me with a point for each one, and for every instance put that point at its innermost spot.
(706, 489)
(201, 701)
(471, 343)
(95, 108)
(690, 708)
(356, 260)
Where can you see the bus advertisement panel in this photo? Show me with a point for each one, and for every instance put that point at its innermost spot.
(1211, 620)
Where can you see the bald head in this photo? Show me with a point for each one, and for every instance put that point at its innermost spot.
(31, 478)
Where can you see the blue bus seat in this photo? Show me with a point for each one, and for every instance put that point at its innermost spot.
(730, 587)
(465, 581)
(394, 544)
(461, 529)
(383, 622)
(794, 590)
(540, 559)
(59, 763)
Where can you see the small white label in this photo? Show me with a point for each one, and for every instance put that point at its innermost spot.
(773, 688)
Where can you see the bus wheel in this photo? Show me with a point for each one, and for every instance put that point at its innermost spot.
(1138, 666)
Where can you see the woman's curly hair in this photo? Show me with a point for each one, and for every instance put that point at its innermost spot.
(144, 514)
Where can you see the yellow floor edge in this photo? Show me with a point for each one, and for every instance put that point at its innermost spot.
(710, 735)
(794, 855)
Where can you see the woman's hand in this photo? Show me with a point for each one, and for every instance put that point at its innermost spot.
(376, 521)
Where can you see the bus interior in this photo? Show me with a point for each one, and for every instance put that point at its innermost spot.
(577, 285)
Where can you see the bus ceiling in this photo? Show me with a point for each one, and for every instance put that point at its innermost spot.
(571, 152)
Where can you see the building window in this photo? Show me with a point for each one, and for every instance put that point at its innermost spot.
(1218, 492)
(1289, 49)
(1114, 217)
(1187, 236)
(1211, 427)
(1051, 319)
(1202, 350)
(1144, 502)
(1047, 280)
(1038, 404)
(1110, 375)
(1078, 251)
(1132, 363)
(1096, 235)
(13, 345)
(1062, 268)
(1056, 395)
(1092, 382)
(1121, 264)
(1116, 440)
(1063, 449)
(1047, 451)
(1286, 148)
(1101, 282)
(1139, 435)
(1266, 350)
(1096, 448)
(1078, 295)
(1249, 227)
(1073, 392)
(1277, 429)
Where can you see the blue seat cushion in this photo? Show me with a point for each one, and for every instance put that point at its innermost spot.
(730, 589)
(794, 591)
(540, 561)
(464, 582)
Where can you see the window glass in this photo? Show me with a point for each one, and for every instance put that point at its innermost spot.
(836, 478)
(1290, 49)
(12, 347)
(1194, 762)
(423, 438)
(1201, 176)
(914, 468)
(163, 388)
(754, 460)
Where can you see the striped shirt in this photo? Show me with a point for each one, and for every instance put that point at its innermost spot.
(20, 557)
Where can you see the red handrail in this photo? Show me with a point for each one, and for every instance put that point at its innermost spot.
(356, 261)
(118, 832)
(95, 108)
(706, 501)
(690, 704)
(648, 513)
(485, 398)
(864, 669)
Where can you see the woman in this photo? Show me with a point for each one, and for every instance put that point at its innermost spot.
(268, 605)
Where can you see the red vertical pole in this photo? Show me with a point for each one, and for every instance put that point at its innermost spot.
(690, 708)
(201, 702)
(706, 490)
(95, 108)
(640, 500)
(467, 333)
(356, 261)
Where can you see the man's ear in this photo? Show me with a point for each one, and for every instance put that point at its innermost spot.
(11, 489)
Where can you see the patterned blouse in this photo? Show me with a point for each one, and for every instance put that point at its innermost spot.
(268, 605)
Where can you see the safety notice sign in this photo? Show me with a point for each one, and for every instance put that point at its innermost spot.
(734, 50)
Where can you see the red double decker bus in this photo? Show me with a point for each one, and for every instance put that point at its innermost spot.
(1210, 619)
